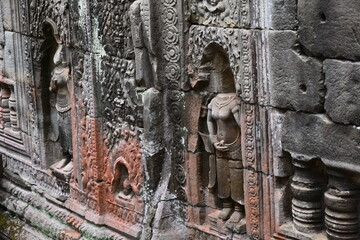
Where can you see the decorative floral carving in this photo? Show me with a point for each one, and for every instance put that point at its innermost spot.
(240, 61)
(115, 27)
(171, 39)
(120, 101)
(53, 9)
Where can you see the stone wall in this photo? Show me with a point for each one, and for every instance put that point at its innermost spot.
(169, 119)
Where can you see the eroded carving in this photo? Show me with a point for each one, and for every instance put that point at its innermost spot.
(59, 87)
(56, 102)
(224, 140)
(226, 13)
(145, 59)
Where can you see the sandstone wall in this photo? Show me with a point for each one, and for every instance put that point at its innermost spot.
(169, 119)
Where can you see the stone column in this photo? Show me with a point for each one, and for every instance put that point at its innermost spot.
(5, 106)
(341, 201)
(307, 187)
(13, 113)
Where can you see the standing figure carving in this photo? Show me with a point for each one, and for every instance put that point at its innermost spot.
(224, 139)
(142, 37)
(61, 100)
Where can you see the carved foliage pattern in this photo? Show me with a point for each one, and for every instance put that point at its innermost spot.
(114, 27)
(120, 101)
(54, 9)
(231, 40)
(32, 56)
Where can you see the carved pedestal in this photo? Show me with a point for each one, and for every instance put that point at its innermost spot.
(307, 188)
(341, 213)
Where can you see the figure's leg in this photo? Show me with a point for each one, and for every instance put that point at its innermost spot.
(223, 188)
(237, 220)
(228, 208)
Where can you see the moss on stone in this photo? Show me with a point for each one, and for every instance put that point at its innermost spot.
(9, 225)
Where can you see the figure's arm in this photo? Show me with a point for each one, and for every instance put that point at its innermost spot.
(211, 125)
(236, 113)
(53, 87)
(136, 25)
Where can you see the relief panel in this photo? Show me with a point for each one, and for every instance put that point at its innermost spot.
(222, 13)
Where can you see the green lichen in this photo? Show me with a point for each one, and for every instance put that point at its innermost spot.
(9, 225)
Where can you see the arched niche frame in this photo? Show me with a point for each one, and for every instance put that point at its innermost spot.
(54, 55)
(237, 45)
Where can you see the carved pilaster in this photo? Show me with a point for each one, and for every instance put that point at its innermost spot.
(307, 187)
(341, 213)
(5, 106)
(13, 113)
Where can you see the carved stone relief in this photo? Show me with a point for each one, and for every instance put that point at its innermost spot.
(224, 139)
(56, 102)
(115, 28)
(222, 13)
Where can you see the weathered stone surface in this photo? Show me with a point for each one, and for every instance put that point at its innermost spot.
(1, 28)
(153, 121)
(143, 79)
(330, 28)
(282, 166)
(342, 101)
(283, 14)
(296, 80)
(308, 136)
(9, 16)
(9, 54)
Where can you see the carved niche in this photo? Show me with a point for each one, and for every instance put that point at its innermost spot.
(221, 75)
(223, 141)
(56, 103)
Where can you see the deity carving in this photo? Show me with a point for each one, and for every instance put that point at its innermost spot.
(60, 99)
(145, 62)
(214, 11)
(224, 139)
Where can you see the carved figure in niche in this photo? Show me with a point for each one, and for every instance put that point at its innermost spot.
(224, 139)
(121, 182)
(212, 10)
(145, 62)
(60, 99)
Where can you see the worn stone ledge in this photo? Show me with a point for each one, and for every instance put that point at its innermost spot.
(47, 217)
(309, 136)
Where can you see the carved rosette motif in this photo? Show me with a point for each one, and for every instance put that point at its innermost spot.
(171, 39)
(171, 35)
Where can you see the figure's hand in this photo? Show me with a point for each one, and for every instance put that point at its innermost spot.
(221, 147)
(53, 84)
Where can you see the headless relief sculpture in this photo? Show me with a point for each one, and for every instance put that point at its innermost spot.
(145, 61)
(224, 139)
(61, 101)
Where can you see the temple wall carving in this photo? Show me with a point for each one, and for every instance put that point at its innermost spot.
(169, 119)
